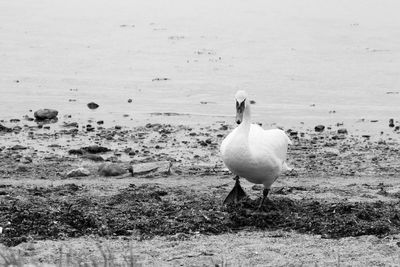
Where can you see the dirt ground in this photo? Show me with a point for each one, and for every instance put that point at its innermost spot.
(339, 206)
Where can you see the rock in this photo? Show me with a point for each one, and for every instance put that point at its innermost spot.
(71, 124)
(93, 157)
(111, 169)
(129, 100)
(342, 131)
(95, 149)
(5, 129)
(75, 152)
(162, 167)
(319, 128)
(391, 123)
(252, 102)
(100, 122)
(78, 172)
(18, 147)
(160, 79)
(92, 105)
(45, 114)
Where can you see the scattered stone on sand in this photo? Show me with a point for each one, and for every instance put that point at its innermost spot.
(93, 157)
(319, 128)
(111, 169)
(79, 172)
(162, 167)
(342, 131)
(5, 129)
(391, 123)
(45, 114)
(129, 100)
(92, 105)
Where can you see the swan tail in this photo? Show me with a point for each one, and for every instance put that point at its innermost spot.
(288, 140)
(285, 167)
(236, 194)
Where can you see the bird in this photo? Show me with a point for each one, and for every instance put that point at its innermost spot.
(253, 153)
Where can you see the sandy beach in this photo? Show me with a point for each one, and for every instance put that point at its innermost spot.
(79, 189)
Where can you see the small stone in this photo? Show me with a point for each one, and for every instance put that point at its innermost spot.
(5, 129)
(100, 122)
(78, 172)
(18, 147)
(45, 114)
(111, 169)
(163, 167)
(93, 157)
(252, 102)
(92, 105)
(342, 131)
(129, 100)
(95, 149)
(319, 128)
(391, 123)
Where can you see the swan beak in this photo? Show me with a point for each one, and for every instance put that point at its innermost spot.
(239, 112)
(239, 117)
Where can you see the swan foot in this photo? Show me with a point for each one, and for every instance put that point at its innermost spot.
(264, 199)
(236, 194)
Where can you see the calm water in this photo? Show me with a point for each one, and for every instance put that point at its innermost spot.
(336, 55)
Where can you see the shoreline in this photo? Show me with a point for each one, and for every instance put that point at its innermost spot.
(331, 169)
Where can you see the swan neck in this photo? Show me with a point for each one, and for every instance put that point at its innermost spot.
(245, 125)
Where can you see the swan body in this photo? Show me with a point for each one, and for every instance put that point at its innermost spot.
(253, 153)
(258, 155)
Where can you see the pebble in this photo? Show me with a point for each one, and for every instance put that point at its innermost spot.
(342, 131)
(111, 169)
(79, 172)
(163, 167)
(93, 157)
(45, 114)
(92, 105)
(319, 128)
(391, 123)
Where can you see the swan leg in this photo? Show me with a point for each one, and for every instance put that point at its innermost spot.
(265, 197)
(236, 194)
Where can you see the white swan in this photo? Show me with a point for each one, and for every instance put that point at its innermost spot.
(253, 153)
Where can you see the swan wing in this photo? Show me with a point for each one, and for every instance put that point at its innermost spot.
(269, 143)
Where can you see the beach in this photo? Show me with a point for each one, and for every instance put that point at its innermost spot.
(79, 189)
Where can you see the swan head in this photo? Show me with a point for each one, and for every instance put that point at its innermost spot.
(241, 105)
